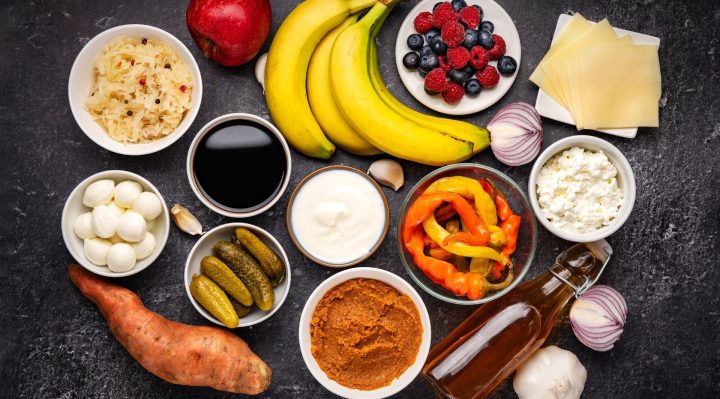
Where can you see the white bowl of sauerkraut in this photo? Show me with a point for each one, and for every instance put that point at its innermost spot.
(135, 89)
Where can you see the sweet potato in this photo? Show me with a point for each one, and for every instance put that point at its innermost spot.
(178, 353)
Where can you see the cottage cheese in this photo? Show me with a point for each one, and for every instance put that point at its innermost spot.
(578, 191)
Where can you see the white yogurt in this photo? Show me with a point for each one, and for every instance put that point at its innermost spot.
(338, 216)
(578, 191)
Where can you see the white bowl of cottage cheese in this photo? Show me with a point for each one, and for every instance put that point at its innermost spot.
(582, 188)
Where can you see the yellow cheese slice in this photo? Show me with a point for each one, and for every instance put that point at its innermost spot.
(600, 34)
(575, 28)
(574, 81)
(620, 86)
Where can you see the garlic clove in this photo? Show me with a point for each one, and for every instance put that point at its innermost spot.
(260, 70)
(388, 173)
(185, 220)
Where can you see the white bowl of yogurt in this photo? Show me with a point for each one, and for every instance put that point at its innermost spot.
(582, 188)
(338, 216)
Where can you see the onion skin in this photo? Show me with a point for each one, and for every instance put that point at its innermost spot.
(598, 317)
(516, 134)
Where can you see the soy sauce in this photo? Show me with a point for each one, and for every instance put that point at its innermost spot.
(239, 165)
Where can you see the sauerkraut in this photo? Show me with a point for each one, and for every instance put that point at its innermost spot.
(142, 90)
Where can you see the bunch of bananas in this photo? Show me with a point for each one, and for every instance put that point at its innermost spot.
(323, 86)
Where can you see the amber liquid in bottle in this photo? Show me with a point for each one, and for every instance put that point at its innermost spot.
(487, 347)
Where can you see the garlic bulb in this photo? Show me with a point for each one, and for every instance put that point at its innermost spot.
(185, 220)
(147, 204)
(388, 172)
(126, 192)
(550, 373)
(99, 193)
(260, 70)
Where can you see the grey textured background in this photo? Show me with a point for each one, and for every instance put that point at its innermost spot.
(54, 343)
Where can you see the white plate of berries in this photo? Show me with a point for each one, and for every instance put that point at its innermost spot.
(458, 57)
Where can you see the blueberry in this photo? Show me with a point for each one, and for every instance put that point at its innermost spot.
(469, 70)
(436, 5)
(426, 50)
(486, 39)
(507, 65)
(488, 26)
(472, 87)
(432, 35)
(429, 62)
(459, 75)
(439, 47)
(471, 38)
(415, 41)
(458, 5)
(411, 60)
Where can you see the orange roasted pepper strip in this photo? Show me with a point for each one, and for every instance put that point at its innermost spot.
(467, 238)
(511, 227)
(503, 208)
(426, 204)
(472, 285)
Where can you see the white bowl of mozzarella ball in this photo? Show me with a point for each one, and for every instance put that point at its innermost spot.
(115, 223)
(582, 188)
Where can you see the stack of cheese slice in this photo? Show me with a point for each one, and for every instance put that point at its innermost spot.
(605, 81)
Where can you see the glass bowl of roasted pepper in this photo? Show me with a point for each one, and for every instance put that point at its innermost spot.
(467, 234)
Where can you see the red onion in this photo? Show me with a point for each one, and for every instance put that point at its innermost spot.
(516, 134)
(598, 317)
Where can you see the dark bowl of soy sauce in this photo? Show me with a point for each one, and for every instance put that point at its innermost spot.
(239, 165)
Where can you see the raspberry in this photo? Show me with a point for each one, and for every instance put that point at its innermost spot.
(435, 81)
(442, 14)
(470, 16)
(453, 34)
(454, 93)
(488, 77)
(444, 63)
(458, 56)
(478, 57)
(498, 48)
(423, 22)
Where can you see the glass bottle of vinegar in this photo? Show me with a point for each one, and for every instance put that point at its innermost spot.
(487, 347)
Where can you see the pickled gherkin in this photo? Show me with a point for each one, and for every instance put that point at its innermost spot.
(249, 271)
(214, 299)
(221, 274)
(269, 261)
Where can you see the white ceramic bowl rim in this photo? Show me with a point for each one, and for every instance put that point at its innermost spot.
(85, 59)
(195, 185)
(69, 234)
(281, 253)
(625, 177)
(304, 332)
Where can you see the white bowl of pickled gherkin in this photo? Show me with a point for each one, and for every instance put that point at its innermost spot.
(237, 275)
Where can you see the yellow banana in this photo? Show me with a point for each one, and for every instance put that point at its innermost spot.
(480, 137)
(286, 71)
(363, 108)
(322, 102)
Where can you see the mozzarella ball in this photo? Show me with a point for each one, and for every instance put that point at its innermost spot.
(145, 247)
(99, 193)
(151, 224)
(105, 219)
(96, 250)
(121, 257)
(115, 239)
(83, 226)
(148, 205)
(131, 227)
(126, 192)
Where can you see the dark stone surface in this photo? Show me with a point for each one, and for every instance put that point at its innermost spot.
(54, 343)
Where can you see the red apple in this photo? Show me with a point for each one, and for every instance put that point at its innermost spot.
(229, 32)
